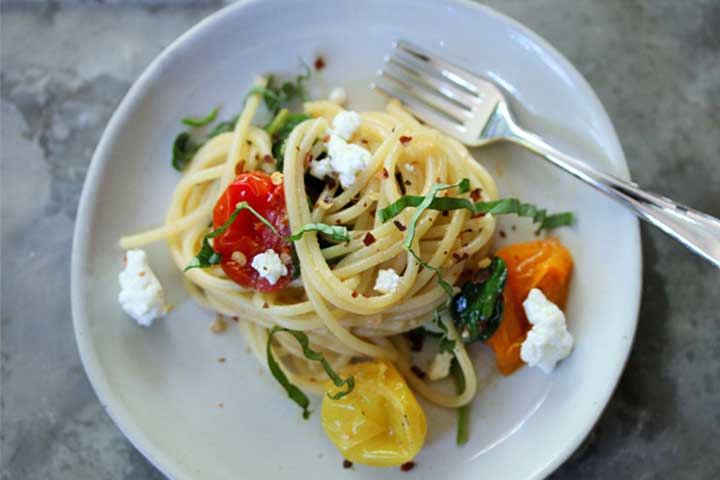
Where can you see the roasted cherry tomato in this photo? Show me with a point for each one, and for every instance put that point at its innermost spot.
(543, 264)
(248, 235)
(379, 423)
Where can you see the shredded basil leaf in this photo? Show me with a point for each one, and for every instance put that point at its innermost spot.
(463, 413)
(339, 233)
(279, 130)
(223, 127)
(277, 97)
(498, 207)
(207, 256)
(293, 391)
(183, 150)
(463, 186)
(478, 309)
(201, 121)
(443, 284)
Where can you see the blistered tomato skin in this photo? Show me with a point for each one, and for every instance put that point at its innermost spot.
(379, 423)
(247, 234)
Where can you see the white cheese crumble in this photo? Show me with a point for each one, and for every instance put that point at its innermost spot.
(141, 295)
(548, 341)
(320, 168)
(269, 266)
(387, 281)
(347, 160)
(345, 123)
(440, 366)
(338, 95)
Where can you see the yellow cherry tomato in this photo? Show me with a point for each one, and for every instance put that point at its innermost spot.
(379, 423)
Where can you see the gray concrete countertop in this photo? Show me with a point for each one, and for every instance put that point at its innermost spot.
(65, 65)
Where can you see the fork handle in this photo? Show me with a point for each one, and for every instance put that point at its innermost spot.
(696, 230)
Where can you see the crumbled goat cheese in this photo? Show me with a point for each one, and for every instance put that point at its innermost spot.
(387, 281)
(345, 123)
(548, 341)
(269, 266)
(347, 160)
(141, 295)
(440, 366)
(320, 168)
(339, 96)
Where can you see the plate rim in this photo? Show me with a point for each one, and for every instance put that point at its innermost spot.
(81, 234)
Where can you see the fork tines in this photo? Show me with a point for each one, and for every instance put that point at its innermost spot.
(440, 93)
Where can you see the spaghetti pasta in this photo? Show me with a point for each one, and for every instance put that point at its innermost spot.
(334, 302)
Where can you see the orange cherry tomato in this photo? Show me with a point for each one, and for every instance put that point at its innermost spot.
(543, 264)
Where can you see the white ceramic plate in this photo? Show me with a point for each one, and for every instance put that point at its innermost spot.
(162, 385)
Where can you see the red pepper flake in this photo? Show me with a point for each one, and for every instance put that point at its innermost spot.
(355, 294)
(308, 158)
(405, 140)
(326, 138)
(502, 234)
(407, 466)
(141, 274)
(363, 141)
(476, 194)
(265, 305)
(372, 212)
(383, 173)
(240, 167)
(319, 63)
(459, 257)
(347, 464)
(369, 239)
(399, 225)
(338, 222)
(418, 371)
(221, 360)
(479, 215)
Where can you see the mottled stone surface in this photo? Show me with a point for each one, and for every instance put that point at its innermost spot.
(65, 65)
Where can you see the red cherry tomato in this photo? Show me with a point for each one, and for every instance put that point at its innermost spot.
(247, 234)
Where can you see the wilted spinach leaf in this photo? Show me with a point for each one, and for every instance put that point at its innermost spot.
(478, 309)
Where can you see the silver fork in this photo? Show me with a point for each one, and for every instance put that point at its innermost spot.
(473, 110)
